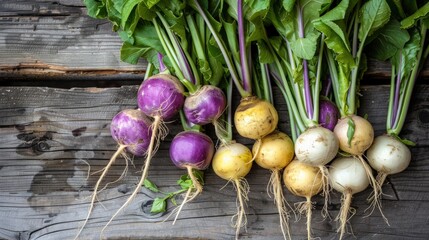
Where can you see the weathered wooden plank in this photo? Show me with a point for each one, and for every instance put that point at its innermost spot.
(57, 38)
(49, 136)
(44, 40)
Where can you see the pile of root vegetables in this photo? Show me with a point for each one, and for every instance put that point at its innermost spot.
(199, 53)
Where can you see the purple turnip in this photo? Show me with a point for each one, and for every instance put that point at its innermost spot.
(205, 106)
(328, 114)
(131, 129)
(161, 97)
(191, 150)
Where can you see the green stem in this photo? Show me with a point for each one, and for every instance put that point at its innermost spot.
(224, 51)
(149, 70)
(182, 58)
(268, 94)
(196, 42)
(316, 92)
(391, 97)
(351, 98)
(334, 76)
(409, 88)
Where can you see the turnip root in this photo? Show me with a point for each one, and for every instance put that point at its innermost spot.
(306, 181)
(328, 114)
(348, 175)
(317, 146)
(274, 152)
(160, 96)
(191, 150)
(387, 155)
(130, 128)
(255, 118)
(363, 135)
(356, 135)
(233, 162)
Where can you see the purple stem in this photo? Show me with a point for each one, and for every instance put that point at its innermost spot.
(162, 67)
(242, 46)
(327, 86)
(187, 72)
(308, 101)
(396, 99)
(307, 90)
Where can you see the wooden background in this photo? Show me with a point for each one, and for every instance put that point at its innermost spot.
(61, 82)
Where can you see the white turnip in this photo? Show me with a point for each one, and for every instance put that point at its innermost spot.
(348, 175)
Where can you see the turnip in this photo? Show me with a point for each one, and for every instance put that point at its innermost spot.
(191, 150)
(362, 137)
(349, 176)
(306, 181)
(255, 118)
(131, 129)
(274, 152)
(389, 154)
(160, 96)
(346, 64)
(314, 144)
(233, 162)
(206, 105)
(328, 114)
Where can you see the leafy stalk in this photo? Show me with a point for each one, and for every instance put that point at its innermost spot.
(222, 48)
(245, 73)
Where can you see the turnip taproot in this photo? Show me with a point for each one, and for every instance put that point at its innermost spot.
(191, 150)
(348, 175)
(160, 96)
(306, 181)
(274, 152)
(131, 129)
(347, 66)
(233, 162)
(387, 155)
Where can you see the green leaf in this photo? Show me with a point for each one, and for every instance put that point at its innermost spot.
(159, 205)
(336, 40)
(151, 3)
(145, 13)
(419, 14)
(288, 4)
(173, 201)
(405, 60)
(185, 181)
(335, 36)
(96, 8)
(388, 41)
(216, 61)
(374, 15)
(403, 140)
(150, 185)
(129, 6)
(114, 10)
(350, 131)
(305, 47)
(264, 53)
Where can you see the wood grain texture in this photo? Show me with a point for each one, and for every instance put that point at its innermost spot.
(51, 136)
(46, 40)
